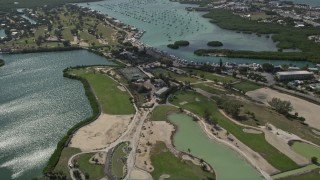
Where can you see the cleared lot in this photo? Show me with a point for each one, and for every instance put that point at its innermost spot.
(305, 109)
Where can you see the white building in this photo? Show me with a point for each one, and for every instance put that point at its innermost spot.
(294, 75)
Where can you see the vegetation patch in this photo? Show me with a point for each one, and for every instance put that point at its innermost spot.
(91, 171)
(62, 166)
(202, 106)
(119, 159)
(160, 112)
(164, 162)
(112, 99)
(246, 86)
(173, 46)
(181, 43)
(312, 175)
(215, 44)
(1, 62)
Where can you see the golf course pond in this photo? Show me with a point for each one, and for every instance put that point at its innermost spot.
(227, 163)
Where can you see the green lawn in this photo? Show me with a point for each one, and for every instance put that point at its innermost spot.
(313, 175)
(209, 88)
(164, 162)
(62, 165)
(302, 170)
(246, 86)
(160, 112)
(112, 99)
(198, 103)
(211, 76)
(117, 164)
(306, 150)
(88, 38)
(182, 78)
(95, 171)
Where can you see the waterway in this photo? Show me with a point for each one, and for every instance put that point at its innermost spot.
(37, 107)
(165, 22)
(307, 2)
(2, 33)
(226, 163)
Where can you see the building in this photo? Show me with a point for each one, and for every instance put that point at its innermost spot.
(161, 91)
(294, 75)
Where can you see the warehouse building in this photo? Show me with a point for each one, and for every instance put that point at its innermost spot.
(294, 75)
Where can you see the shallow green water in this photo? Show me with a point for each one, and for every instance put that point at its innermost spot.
(306, 150)
(227, 164)
(37, 107)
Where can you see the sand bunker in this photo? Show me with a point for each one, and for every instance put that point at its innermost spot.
(252, 131)
(305, 109)
(183, 103)
(138, 174)
(121, 88)
(100, 133)
(151, 133)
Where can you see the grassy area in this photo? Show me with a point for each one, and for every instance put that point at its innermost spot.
(265, 115)
(306, 150)
(117, 163)
(165, 162)
(198, 104)
(183, 77)
(111, 98)
(94, 171)
(62, 165)
(296, 171)
(90, 39)
(211, 76)
(313, 175)
(246, 86)
(160, 112)
(209, 88)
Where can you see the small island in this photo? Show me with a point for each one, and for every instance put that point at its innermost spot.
(173, 46)
(1, 62)
(215, 44)
(177, 44)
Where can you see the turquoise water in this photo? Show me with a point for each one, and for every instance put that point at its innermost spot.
(227, 164)
(37, 107)
(2, 34)
(30, 20)
(308, 2)
(166, 22)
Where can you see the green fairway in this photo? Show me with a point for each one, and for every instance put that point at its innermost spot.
(211, 76)
(93, 170)
(306, 150)
(209, 88)
(246, 86)
(112, 99)
(62, 165)
(160, 112)
(302, 170)
(117, 160)
(197, 104)
(313, 175)
(164, 162)
(179, 77)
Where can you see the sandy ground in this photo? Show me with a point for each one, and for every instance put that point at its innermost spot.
(138, 174)
(121, 88)
(316, 132)
(100, 133)
(252, 131)
(151, 133)
(305, 109)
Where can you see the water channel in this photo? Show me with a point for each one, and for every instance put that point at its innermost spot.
(165, 22)
(226, 163)
(307, 2)
(37, 107)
